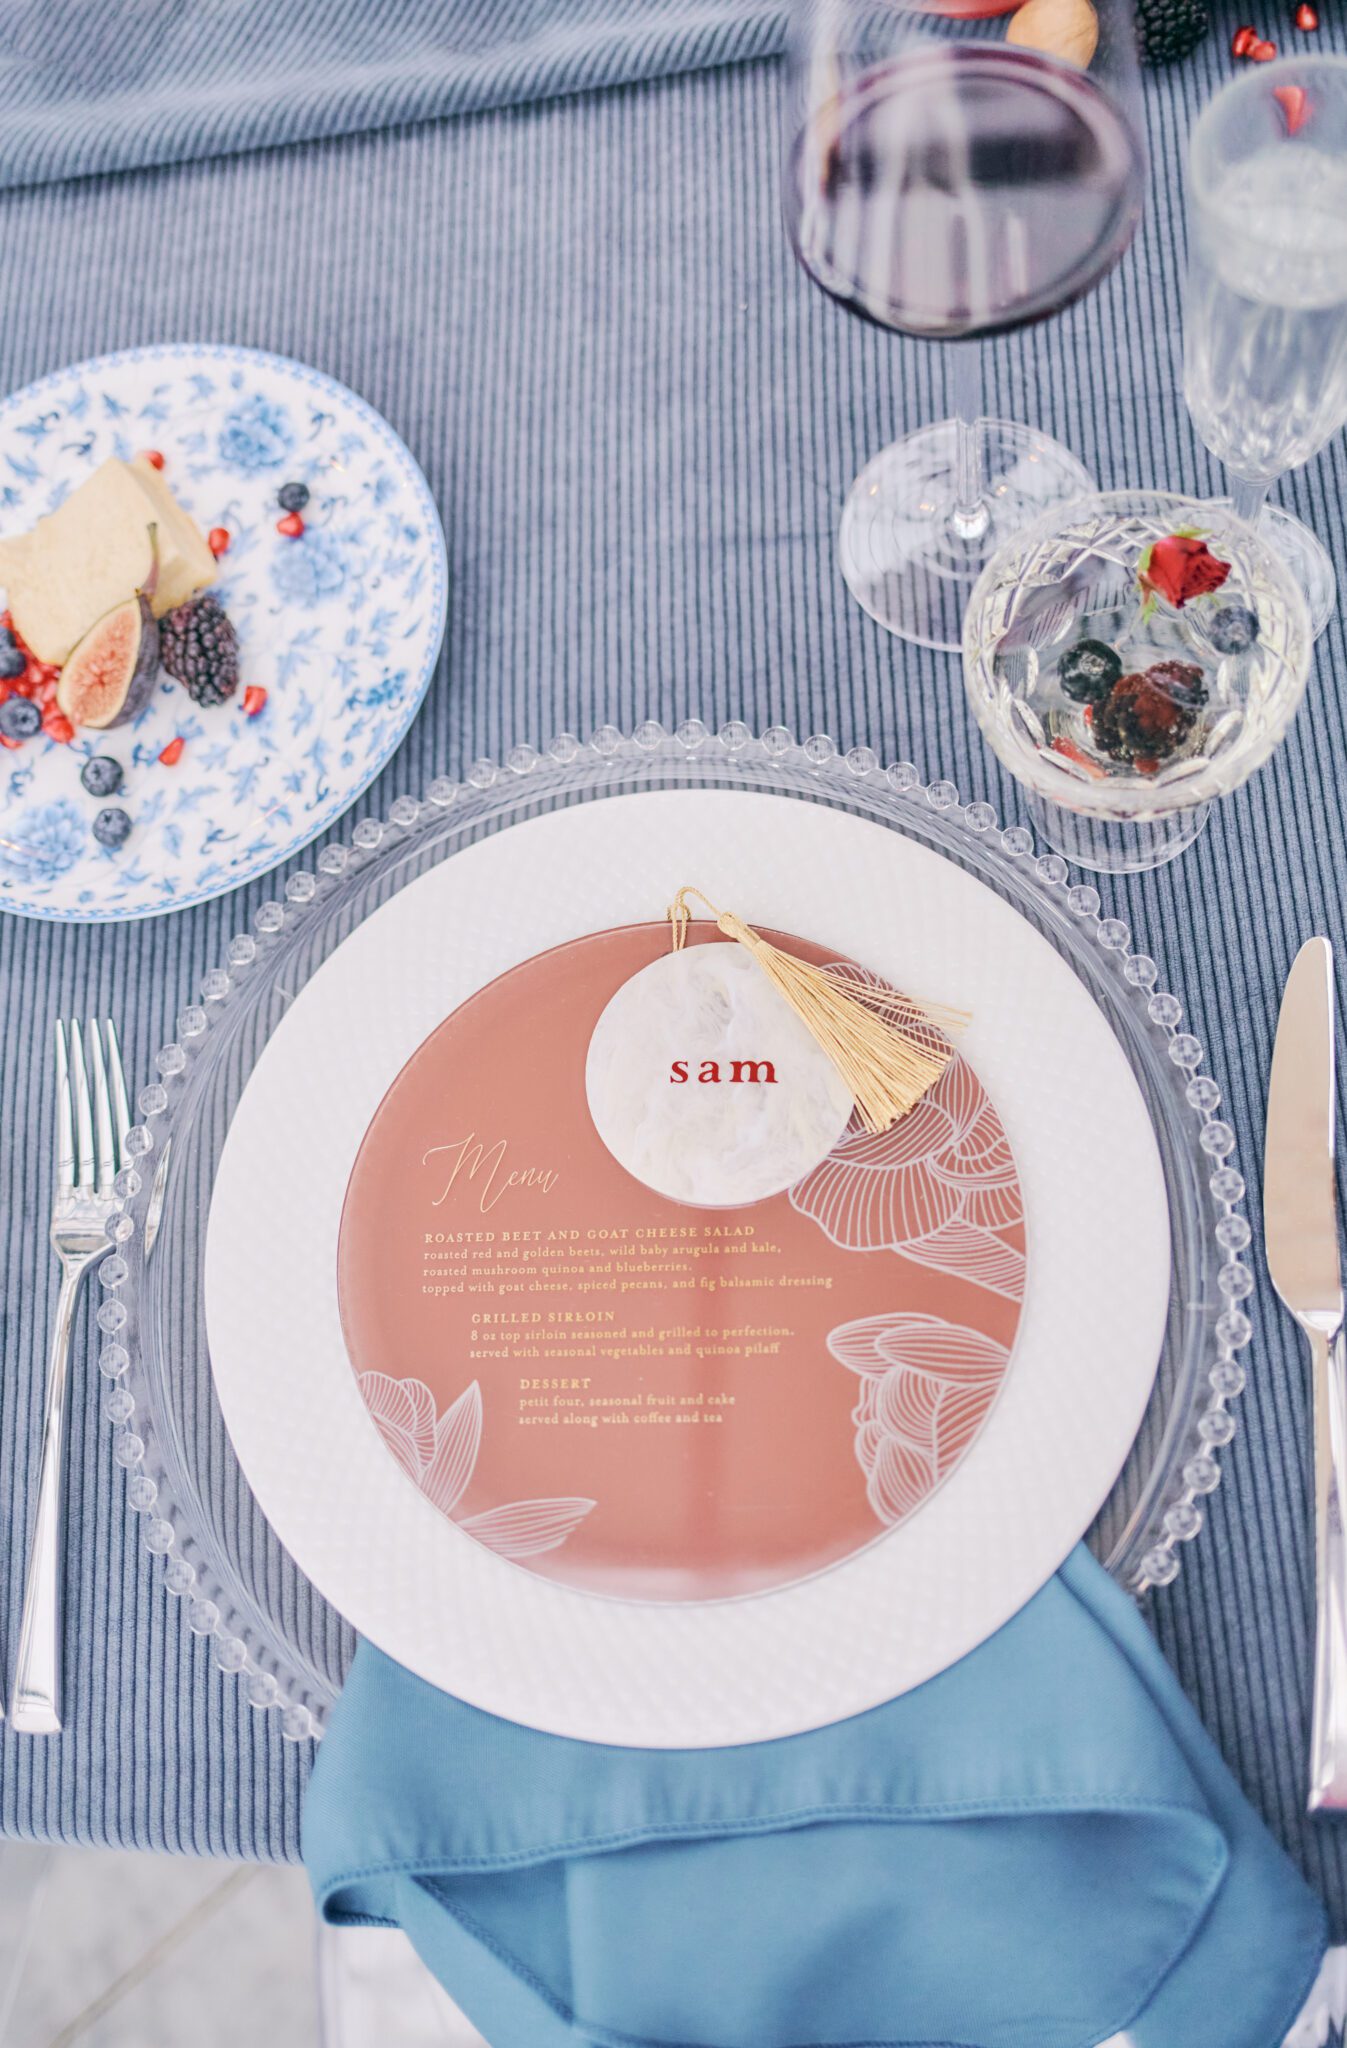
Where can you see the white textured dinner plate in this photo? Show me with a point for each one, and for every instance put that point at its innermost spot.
(694, 1673)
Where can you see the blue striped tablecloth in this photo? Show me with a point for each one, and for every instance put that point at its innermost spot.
(544, 241)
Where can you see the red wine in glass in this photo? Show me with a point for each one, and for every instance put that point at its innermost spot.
(966, 189)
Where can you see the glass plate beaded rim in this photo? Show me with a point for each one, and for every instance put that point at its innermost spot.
(1196, 1147)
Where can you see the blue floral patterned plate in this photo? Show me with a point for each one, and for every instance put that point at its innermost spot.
(341, 626)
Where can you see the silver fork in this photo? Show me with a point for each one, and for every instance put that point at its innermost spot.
(90, 1136)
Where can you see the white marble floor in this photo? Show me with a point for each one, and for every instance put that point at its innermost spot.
(101, 1949)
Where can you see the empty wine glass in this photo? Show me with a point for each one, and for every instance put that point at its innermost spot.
(948, 176)
(1265, 328)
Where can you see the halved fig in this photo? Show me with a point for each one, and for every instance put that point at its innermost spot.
(110, 675)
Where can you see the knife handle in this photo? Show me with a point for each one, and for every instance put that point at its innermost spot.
(1328, 1733)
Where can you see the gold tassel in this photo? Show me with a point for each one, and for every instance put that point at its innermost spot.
(888, 1049)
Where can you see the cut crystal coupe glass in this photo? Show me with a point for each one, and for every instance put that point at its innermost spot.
(1130, 660)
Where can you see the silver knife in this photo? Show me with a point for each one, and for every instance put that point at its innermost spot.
(1300, 1222)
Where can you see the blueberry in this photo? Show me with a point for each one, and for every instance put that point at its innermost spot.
(1088, 671)
(102, 776)
(19, 718)
(112, 827)
(1232, 629)
(292, 497)
(13, 660)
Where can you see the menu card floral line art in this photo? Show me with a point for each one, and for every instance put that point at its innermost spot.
(939, 1187)
(440, 1454)
(926, 1388)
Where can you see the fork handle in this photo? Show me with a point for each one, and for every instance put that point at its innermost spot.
(36, 1706)
(1328, 1732)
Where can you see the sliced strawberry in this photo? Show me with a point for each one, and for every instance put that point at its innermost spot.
(1071, 752)
(1293, 101)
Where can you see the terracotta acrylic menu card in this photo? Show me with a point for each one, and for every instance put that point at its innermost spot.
(642, 1395)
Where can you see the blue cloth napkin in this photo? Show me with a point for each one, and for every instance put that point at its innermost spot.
(1040, 1848)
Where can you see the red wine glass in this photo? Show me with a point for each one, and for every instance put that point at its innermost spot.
(955, 171)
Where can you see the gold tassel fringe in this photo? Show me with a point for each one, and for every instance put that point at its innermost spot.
(888, 1049)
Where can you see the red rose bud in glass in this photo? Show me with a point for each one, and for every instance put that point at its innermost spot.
(1180, 567)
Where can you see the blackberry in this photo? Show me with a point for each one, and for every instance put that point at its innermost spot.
(101, 775)
(1142, 722)
(292, 497)
(1231, 629)
(19, 718)
(1169, 29)
(1183, 680)
(112, 827)
(200, 649)
(1088, 671)
(13, 660)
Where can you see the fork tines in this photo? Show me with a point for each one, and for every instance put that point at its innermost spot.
(93, 1114)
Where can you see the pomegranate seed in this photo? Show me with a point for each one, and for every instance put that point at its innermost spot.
(1262, 53)
(254, 698)
(217, 540)
(1243, 41)
(58, 727)
(6, 689)
(1291, 100)
(153, 457)
(1307, 19)
(26, 685)
(6, 741)
(172, 753)
(291, 526)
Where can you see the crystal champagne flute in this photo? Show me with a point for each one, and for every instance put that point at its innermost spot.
(949, 176)
(1265, 324)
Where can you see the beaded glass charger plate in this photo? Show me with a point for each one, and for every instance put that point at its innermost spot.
(1078, 1053)
(339, 624)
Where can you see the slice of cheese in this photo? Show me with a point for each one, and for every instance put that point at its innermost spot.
(94, 551)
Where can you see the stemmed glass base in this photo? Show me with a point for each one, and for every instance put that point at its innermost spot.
(910, 555)
(1116, 846)
(1305, 556)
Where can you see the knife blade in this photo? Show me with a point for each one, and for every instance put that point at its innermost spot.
(1300, 1226)
(1300, 1202)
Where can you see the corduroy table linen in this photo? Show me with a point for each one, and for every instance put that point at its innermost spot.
(545, 241)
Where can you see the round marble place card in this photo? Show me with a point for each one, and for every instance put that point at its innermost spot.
(703, 1082)
(580, 1353)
